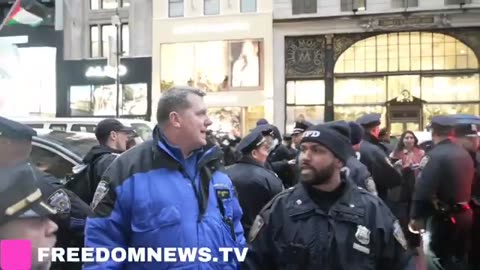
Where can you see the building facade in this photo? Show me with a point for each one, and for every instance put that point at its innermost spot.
(407, 59)
(86, 83)
(224, 47)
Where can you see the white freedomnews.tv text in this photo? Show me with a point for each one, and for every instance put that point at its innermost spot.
(142, 255)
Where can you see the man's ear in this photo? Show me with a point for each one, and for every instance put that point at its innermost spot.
(174, 118)
(113, 135)
(254, 153)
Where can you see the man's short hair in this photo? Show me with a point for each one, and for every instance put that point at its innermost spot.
(175, 99)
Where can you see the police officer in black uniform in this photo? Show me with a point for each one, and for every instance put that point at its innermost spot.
(254, 183)
(326, 222)
(440, 208)
(24, 213)
(354, 169)
(372, 155)
(466, 135)
(16, 145)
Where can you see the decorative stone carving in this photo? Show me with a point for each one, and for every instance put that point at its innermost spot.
(304, 57)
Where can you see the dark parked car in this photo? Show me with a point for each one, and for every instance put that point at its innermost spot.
(57, 152)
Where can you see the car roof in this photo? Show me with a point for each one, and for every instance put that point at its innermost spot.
(78, 143)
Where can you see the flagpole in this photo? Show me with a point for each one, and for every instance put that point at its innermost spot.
(15, 5)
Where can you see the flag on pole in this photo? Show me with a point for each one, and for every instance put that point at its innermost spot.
(28, 12)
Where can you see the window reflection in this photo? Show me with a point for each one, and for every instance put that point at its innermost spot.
(212, 66)
(100, 100)
(306, 92)
(396, 84)
(313, 114)
(352, 113)
(356, 90)
(406, 52)
(431, 110)
(450, 88)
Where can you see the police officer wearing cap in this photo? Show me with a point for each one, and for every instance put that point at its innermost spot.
(326, 222)
(440, 204)
(16, 145)
(372, 155)
(24, 214)
(254, 183)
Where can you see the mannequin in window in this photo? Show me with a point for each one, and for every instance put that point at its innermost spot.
(246, 69)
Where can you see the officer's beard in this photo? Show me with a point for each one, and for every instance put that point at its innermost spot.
(318, 176)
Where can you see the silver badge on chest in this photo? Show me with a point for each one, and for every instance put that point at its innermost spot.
(362, 235)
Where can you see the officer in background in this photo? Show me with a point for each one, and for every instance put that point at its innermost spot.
(466, 134)
(354, 169)
(16, 145)
(255, 185)
(24, 214)
(326, 222)
(372, 155)
(440, 208)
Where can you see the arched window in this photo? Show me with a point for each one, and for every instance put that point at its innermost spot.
(436, 68)
(406, 51)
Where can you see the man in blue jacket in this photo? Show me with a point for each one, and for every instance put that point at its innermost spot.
(169, 192)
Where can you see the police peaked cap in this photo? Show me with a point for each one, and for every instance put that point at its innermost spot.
(371, 119)
(20, 196)
(331, 138)
(300, 127)
(252, 141)
(14, 130)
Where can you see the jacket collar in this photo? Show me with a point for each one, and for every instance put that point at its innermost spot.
(167, 150)
(250, 160)
(370, 138)
(301, 203)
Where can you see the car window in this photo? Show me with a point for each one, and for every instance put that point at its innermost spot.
(39, 126)
(78, 143)
(58, 127)
(84, 128)
(143, 130)
(50, 162)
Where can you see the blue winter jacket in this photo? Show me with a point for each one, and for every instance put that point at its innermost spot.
(151, 197)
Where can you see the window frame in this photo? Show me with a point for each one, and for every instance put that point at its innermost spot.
(170, 2)
(213, 13)
(301, 7)
(242, 7)
(100, 4)
(100, 39)
(352, 5)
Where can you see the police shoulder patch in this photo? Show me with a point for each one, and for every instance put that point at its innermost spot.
(100, 192)
(257, 226)
(398, 234)
(60, 201)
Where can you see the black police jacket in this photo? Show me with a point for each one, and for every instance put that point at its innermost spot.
(379, 166)
(359, 232)
(360, 175)
(255, 186)
(446, 176)
(72, 214)
(98, 158)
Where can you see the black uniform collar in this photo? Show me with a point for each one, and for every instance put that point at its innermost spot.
(370, 138)
(301, 203)
(250, 160)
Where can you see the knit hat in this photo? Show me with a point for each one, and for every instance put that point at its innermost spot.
(330, 138)
(356, 132)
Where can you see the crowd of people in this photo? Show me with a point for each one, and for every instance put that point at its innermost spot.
(328, 196)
